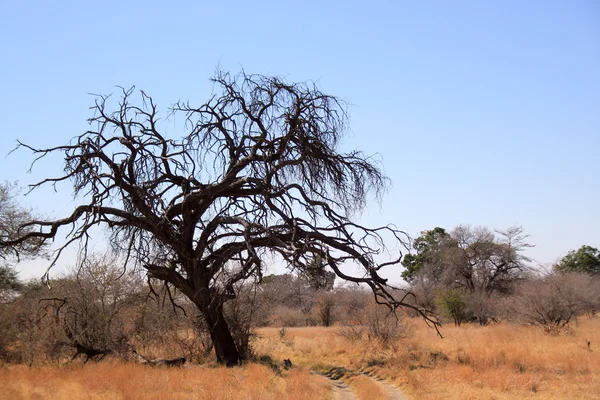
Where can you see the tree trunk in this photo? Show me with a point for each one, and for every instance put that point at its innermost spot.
(226, 351)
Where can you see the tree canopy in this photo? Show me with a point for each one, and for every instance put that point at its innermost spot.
(473, 258)
(428, 247)
(586, 259)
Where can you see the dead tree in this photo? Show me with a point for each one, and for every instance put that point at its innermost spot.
(257, 173)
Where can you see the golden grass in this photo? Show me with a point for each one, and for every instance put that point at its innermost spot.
(495, 362)
(472, 362)
(131, 381)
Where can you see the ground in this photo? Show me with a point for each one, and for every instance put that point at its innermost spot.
(499, 361)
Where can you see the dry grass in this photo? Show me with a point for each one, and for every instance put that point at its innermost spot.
(494, 362)
(505, 362)
(131, 381)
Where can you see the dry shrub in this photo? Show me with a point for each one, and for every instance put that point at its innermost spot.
(352, 332)
(351, 305)
(377, 323)
(292, 317)
(554, 301)
(326, 308)
(30, 334)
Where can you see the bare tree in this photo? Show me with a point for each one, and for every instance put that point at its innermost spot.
(482, 262)
(13, 225)
(376, 323)
(258, 172)
(13, 216)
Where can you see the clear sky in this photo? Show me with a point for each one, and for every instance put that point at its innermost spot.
(484, 113)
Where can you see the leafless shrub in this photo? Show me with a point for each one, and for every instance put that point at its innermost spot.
(290, 317)
(352, 332)
(326, 307)
(483, 307)
(191, 338)
(351, 305)
(552, 302)
(379, 324)
(29, 331)
(287, 300)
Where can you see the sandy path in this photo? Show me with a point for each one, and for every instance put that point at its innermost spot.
(342, 391)
(392, 391)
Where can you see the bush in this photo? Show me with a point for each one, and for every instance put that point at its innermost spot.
(377, 323)
(326, 305)
(453, 304)
(554, 301)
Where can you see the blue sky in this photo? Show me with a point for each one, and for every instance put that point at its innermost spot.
(483, 113)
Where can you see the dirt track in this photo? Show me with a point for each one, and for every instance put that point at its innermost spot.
(341, 391)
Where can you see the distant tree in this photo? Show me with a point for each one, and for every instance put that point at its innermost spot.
(9, 282)
(375, 323)
(476, 259)
(586, 259)
(259, 173)
(289, 297)
(429, 247)
(485, 262)
(14, 219)
(481, 262)
(326, 304)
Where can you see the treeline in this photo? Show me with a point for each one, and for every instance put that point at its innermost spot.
(466, 275)
(474, 274)
(99, 310)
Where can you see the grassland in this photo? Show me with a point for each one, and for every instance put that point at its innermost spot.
(130, 381)
(499, 361)
(495, 362)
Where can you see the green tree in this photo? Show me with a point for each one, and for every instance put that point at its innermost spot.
(428, 247)
(8, 279)
(454, 304)
(586, 259)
